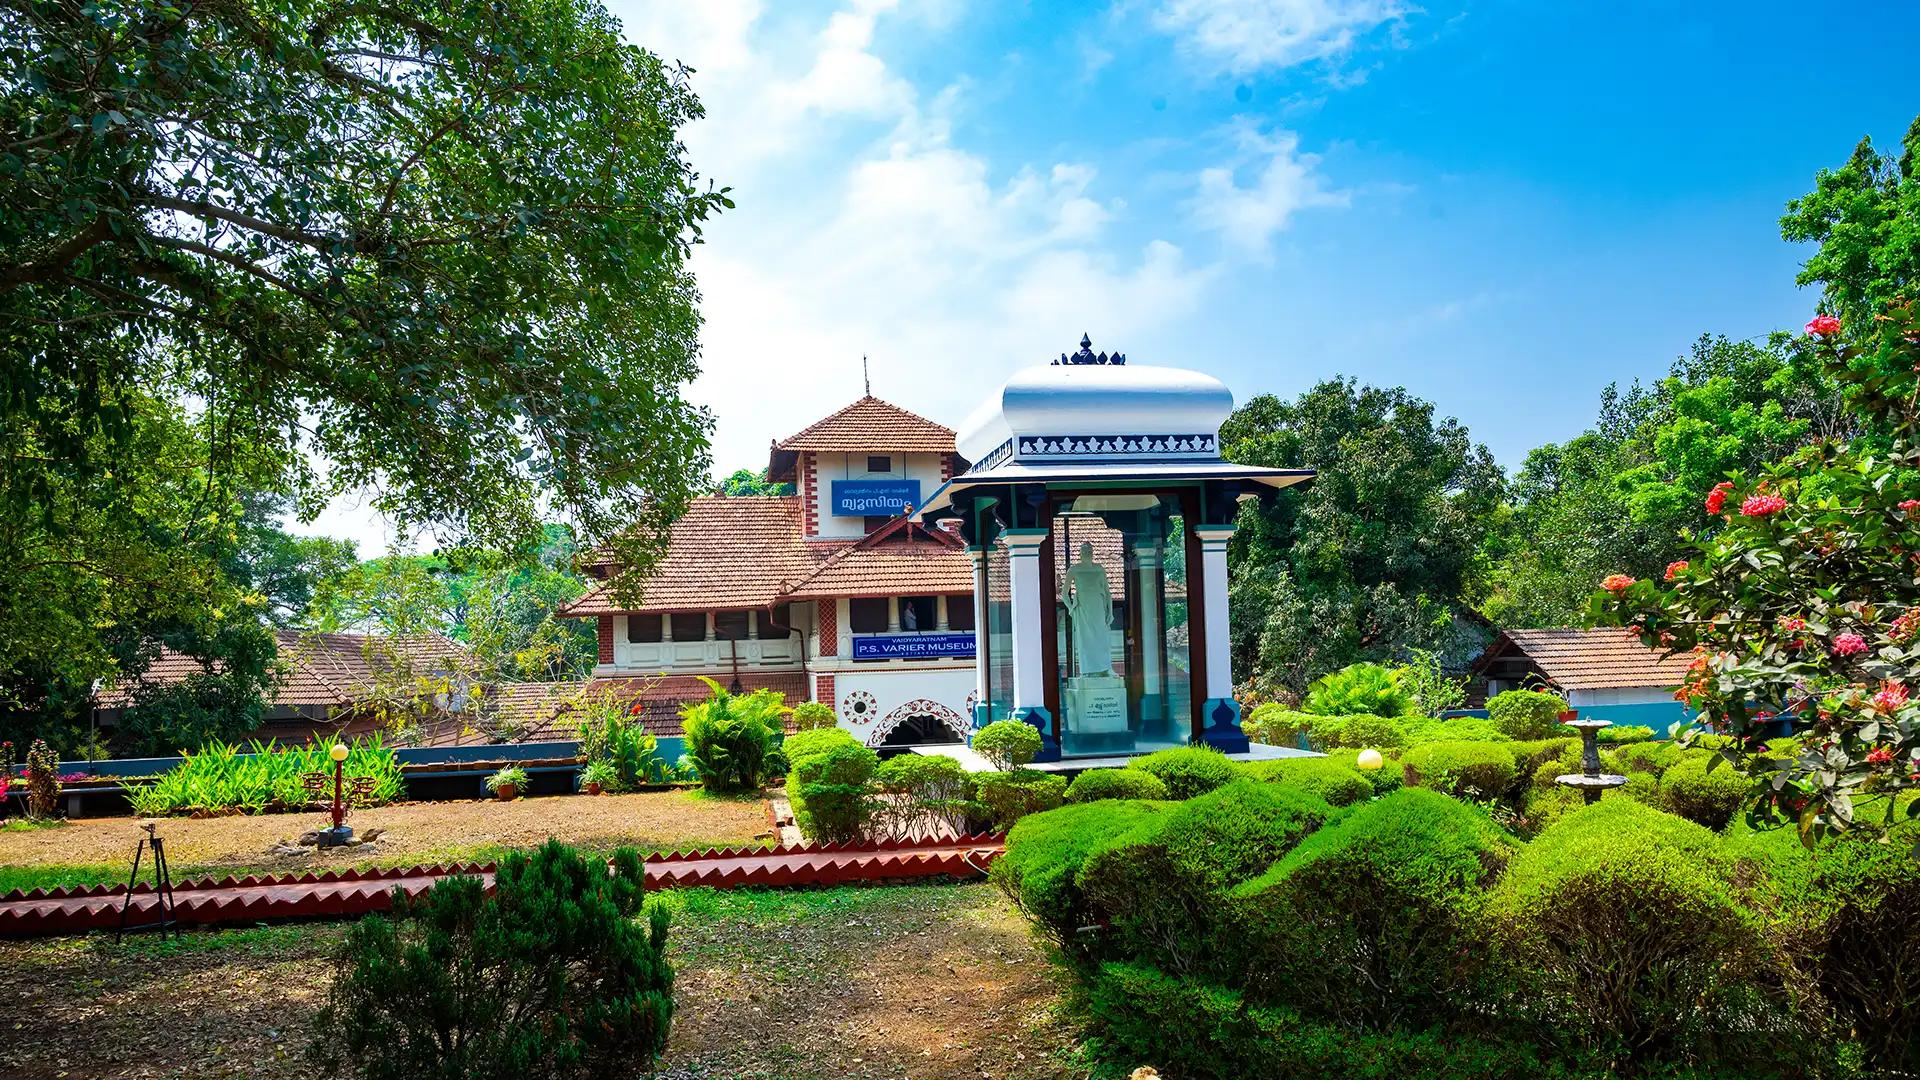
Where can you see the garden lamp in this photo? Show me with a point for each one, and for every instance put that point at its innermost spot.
(1369, 760)
(339, 755)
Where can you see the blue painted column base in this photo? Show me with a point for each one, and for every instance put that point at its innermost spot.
(982, 715)
(1223, 726)
(1042, 720)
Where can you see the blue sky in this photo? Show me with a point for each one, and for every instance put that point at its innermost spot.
(1502, 206)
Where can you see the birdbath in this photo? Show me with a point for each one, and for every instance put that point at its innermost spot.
(1591, 782)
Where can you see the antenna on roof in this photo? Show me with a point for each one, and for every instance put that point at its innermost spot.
(865, 378)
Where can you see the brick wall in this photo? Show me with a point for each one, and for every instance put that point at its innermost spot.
(829, 621)
(606, 639)
(810, 492)
(823, 693)
(946, 467)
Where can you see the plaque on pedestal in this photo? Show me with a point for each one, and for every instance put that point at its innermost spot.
(1097, 704)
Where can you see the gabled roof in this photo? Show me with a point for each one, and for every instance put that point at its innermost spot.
(867, 425)
(1597, 659)
(321, 670)
(902, 558)
(725, 552)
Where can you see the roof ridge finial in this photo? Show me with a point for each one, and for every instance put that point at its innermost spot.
(1086, 355)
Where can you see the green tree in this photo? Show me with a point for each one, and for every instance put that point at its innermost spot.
(748, 482)
(440, 246)
(1379, 555)
(1865, 217)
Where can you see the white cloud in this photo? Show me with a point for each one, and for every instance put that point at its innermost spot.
(1248, 35)
(1280, 182)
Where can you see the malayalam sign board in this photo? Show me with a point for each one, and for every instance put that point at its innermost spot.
(911, 646)
(874, 498)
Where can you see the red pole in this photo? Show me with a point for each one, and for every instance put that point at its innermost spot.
(339, 811)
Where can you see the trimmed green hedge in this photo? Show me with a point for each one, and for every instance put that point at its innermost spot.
(1337, 782)
(829, 791)
(1371, 920)
(1095, 784)
(1705, 790)
(1426, 729)
(1526, 714)
(1276, 725)
(1006, 797)
(1386, 779)
(1621, 932)
(1475, 770)
(1188, 770)
(1159, 884)
(1043, 858)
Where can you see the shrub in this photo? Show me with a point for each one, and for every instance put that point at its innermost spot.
(1370, 920)
(829, 791)
(1097, 784)
(1526, 714)
(602, 773)
(43, 781)
(1275, 725)
(1654, 758)
(1621, 931)
(1425, 729)
(1159, 885)
(554, 976)
(1386, 779)
(611, 735)
(1847, 912)
(1529, 756)
(1359, 689)
(813, 715)
(730, 737)
(1363, 732)
(1474, 770)
(1187, 770)
(1622, 734)
(814, 741)
(1190, 1028)
(1337, 782)
(1006, 797)
(926, 792)
(1008, 744)
(506, 776)
(1705, 790)
(1433, 690)
(1044, 854)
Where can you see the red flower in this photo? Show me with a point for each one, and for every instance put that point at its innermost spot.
(1880, 755)
(1616, 583)
(1849, 644)
(1905, 626)
(1822, 325)
(634, 710)
(1762, 505)
(1717, 498)
(1791, 624)
(1675, 567)
(1910, 505)
(1891, 698)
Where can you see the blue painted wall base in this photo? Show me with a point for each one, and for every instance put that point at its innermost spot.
(1042, 720)
(1223, 726)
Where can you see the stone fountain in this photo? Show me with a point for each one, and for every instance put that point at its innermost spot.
(1591, 782)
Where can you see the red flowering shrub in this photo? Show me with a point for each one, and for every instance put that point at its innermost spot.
(1676, 568)
(1823, 326)
(1616, 583)
(1821, 553)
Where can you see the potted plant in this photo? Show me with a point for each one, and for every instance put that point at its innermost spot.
(599, 776)
(506, 783)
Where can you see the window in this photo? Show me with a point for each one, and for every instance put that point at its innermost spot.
(960, 613)
(917, 613)
(643, 627)
(868, 614)
(769, 628)
(689, 625)
(730, 625)
(879, 463)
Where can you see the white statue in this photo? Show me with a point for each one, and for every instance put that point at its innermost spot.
(1090, 603)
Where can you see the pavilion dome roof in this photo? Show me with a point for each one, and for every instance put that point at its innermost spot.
(1093, 405)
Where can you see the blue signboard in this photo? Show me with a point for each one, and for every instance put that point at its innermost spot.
(911, 646)
(874, 498)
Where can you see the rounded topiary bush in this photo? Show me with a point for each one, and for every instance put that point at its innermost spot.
(1474, 770)
(812, 715)
(1006, 797)
(1705, 790)
(1159, 885)
(1187, 770)
(1426, 729)
(814, 741)
(1276, 725)
(1371, 920)
(1337, 782)
(1526, 714)
(1387, 779)
(1361, 732)
(1847, 915)
(1620, 930)
(1097, 784)
(1044, 854)
(1008, 744)
(831, 791)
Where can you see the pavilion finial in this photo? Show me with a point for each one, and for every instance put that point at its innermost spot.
(1086, 355)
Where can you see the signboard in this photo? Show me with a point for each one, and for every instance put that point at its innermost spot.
(874, 498)
(911, 646)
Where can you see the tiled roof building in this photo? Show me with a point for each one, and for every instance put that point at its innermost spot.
(1602, 666)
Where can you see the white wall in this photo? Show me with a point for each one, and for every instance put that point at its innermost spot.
(922, 467)
(893, 691)
(1620, 695)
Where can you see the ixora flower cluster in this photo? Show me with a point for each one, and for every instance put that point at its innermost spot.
(1800, 600)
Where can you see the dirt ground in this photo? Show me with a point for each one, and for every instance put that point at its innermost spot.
(928, 981)
(412, 832)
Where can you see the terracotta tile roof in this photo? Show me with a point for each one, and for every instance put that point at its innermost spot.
(903, 558)
(872, 424)
(661, 697)
(319, 670)
(737, 552)
(1598, 659)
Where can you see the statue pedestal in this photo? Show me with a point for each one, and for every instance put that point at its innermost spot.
(1096, 704)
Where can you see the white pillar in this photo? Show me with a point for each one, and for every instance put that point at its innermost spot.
(1146, 592)
(1221, 712)
(978, 557)
(1028, 608)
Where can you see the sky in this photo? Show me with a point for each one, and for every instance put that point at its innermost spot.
(1502, 206)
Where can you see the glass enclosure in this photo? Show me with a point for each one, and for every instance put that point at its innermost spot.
(996, 635)
(1120, 622)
